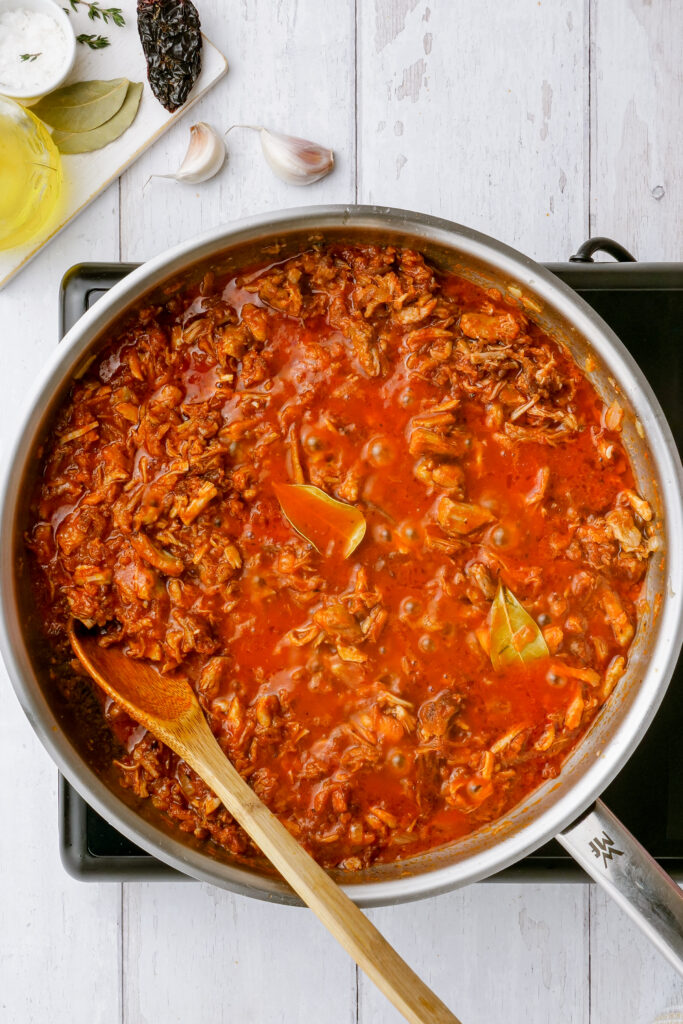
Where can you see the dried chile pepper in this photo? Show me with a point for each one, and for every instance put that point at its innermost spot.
(172, 43)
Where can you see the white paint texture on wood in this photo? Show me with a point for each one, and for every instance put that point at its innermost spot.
(630, 981)
(637, 125)
(475, 111)
(459, 942)
(60, 940)
(291, 69)
(196, 953)
(479, 112)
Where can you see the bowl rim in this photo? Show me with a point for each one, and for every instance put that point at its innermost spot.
(51, 8)
(571, 800)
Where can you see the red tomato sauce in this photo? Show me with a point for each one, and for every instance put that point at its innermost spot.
(357, 695)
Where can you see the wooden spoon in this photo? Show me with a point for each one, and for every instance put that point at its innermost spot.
(168, 708)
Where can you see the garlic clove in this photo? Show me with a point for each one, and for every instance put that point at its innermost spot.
(296, 161)
(204, 157)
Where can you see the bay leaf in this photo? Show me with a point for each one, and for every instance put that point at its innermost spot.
(87, 142)
(515, 638)
(82, 106)
(329, 525)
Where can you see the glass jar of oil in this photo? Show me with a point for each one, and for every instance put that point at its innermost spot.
(30, 175)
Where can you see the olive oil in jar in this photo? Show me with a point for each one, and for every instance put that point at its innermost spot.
(30, 175)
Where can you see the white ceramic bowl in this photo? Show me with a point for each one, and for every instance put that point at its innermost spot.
(54, 11)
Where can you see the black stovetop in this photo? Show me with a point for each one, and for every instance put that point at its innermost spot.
(643, 303)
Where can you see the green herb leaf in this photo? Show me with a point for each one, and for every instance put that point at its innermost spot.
(93, 41)
(82, 106)
(114, 14)
(515, 638)
(29, 56)
(87, 142)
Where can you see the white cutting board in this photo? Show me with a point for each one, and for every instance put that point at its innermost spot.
(87, 174)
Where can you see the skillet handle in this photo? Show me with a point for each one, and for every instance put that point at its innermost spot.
(608, 852)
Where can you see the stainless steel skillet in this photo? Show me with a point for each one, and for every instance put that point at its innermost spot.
(565, 807)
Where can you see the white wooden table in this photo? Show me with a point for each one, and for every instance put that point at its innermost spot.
(538, 122)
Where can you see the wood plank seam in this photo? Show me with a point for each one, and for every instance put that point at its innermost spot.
(590, 951)
(589, 122)
(355, 109)
(122, 948)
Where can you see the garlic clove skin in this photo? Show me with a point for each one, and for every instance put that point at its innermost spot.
(204, 157)
(296, 161)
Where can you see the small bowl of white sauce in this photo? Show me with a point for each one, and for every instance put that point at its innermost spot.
(37, 48)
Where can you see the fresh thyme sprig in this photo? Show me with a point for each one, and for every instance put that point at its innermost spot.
(29, 56)
(93, 41)
(107, 14)
(95, 12)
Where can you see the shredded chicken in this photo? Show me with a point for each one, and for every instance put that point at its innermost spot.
(357, 695)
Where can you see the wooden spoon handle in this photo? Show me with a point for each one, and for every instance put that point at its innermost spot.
(338, 913)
